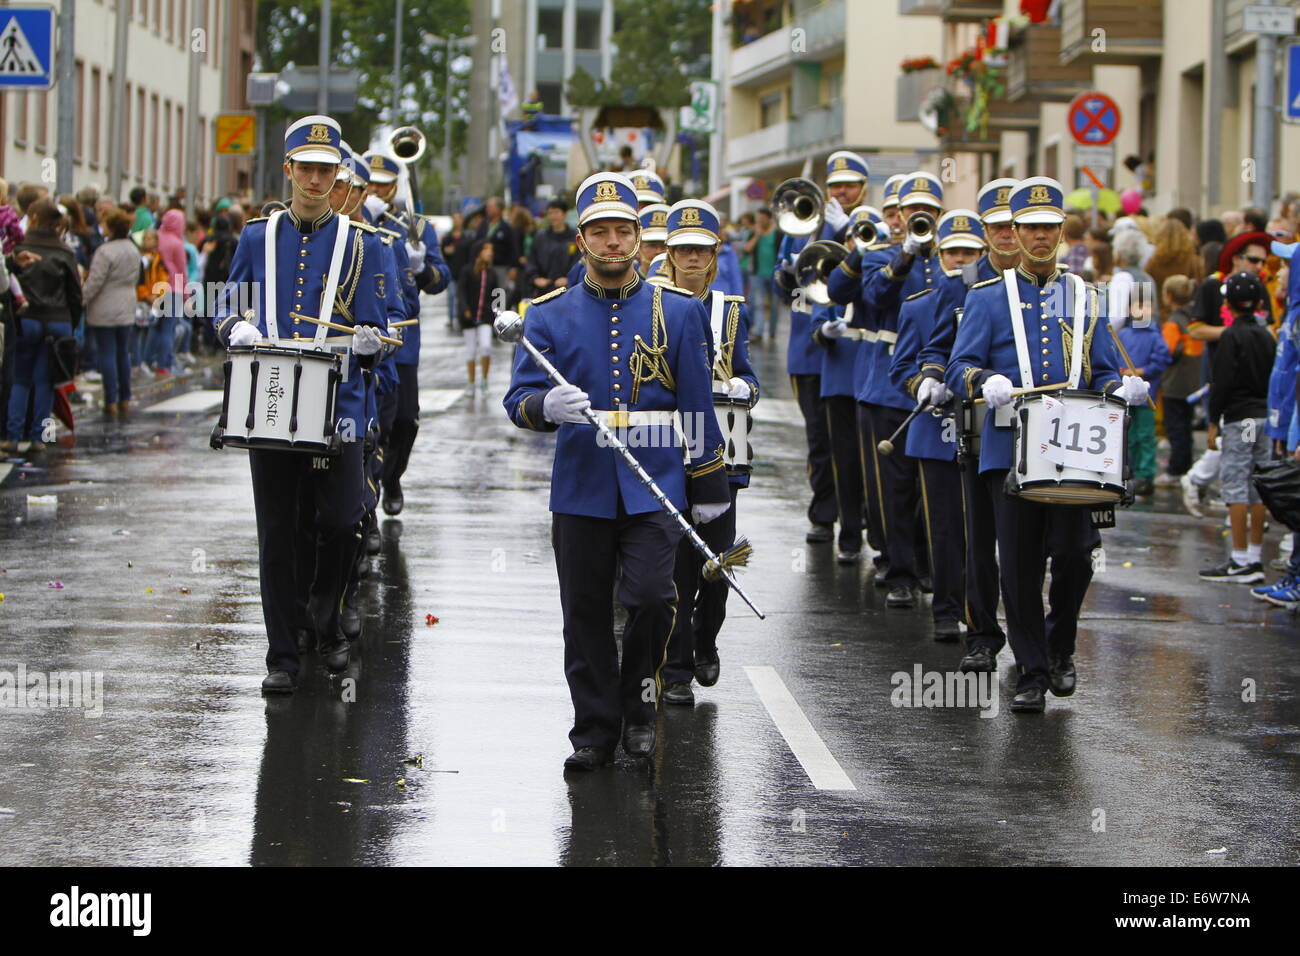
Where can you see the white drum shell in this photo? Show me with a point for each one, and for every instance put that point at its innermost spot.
(293, 398)
(1036, 478)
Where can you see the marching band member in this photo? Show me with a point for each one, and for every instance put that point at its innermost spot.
(889, 207)
(316, 266)
(649, 187)
(844, 287)
(804, 366)
(932, 440)
(846, 182)
(984, 635)
(693, 241)
(431, 275)
(991, 357)
(641, 351)
(913, 267)
(654, 235)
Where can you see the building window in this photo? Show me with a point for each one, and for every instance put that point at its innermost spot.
(42, 120)
(586, 33)
(96, 119)
(79, 121)
(550, 97)
(180, 145)
(153, 139)
(171, 20)
(202, 146)
(550, 29)
(20, 118)
(167, 142)
(769, 110)
(143, 126)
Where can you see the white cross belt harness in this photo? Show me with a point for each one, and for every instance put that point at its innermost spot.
(271, 318)
(1018, 329)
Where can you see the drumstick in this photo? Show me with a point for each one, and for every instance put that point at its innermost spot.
(886, 445)
(1128, 362)
(403, 323)
(341, 328)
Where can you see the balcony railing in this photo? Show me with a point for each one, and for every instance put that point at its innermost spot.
(822, 35)
(819, 126)
(1117, 31)
(760, 144)
(822, 127)
(1034, 66)
(969, 11)
(920, 8)
(912, 90)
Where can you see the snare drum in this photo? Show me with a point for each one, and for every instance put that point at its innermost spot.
(279, 398)
(1070, 448)
(736, 421)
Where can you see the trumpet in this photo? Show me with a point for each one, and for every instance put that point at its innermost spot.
(814, 265)
(797, 206)
(864, 230)
(922, 226)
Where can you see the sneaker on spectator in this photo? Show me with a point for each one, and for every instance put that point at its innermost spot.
(1164, 478)
(1193, 496)
(1259, 590)
(1286, 544)
(1280, 564)
(1251, 573)
(90, 375)
(1286, 593)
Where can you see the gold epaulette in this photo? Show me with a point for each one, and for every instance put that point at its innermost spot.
(672, 288)
(980, 285)
(549, 295)
(249, 222)
(917, 295)
(733, 298)
(363, 225)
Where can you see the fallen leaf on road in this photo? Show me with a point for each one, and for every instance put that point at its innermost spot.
(1222, 849)
(416, 761)
(430, 620)
(57, 585)
(354, 780)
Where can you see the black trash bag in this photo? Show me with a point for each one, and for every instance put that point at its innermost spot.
(1278, 485)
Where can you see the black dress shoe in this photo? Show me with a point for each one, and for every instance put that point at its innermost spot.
(848, 557)
(363, 564)
(1031, 701)
(638, 740)
(900, 596)
(947, 631)
(707, 668)
(306, 641)
(926, 585)
(981, 660)
(278, 682)
(350, 621)
(393, 500)
(820, 533)
(587, 758)
(679, 693)
(335, 656)
(882, 574)
(1062, 676)
(374, 543)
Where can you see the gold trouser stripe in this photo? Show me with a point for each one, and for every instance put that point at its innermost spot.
(925, 510)
(672, 626)
(880, 488)
(965, 535)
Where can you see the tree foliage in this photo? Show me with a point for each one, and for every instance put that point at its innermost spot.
(659, 48)
(362, 33)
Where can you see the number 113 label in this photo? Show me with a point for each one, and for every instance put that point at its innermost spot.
(1082, 435)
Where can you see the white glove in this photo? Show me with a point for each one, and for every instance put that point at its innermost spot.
(703, 514)
(738, 389)
(565, 403)
(415, 250)
(1134, 389)
(834, 328)
(374, 205)
(244, 333)
(997, 391)
(931, 391)
(833, 213)
(365, 340)
(911, 245)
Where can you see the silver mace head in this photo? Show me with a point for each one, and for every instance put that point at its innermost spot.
(509, 326)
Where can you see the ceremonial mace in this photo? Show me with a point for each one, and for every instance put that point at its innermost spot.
(510, 328)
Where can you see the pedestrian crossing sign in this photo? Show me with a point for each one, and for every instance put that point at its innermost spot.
(27, 48)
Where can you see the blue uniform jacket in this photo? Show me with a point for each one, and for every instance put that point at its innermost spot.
(928, 436)
(802, 356)
(1282, 380)
(933, 358)
(612, 347)
(985, 346)
(303, 252)
(730, 278)
(885, 286)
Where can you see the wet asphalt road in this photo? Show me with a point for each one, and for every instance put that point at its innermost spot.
(1156, 760)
